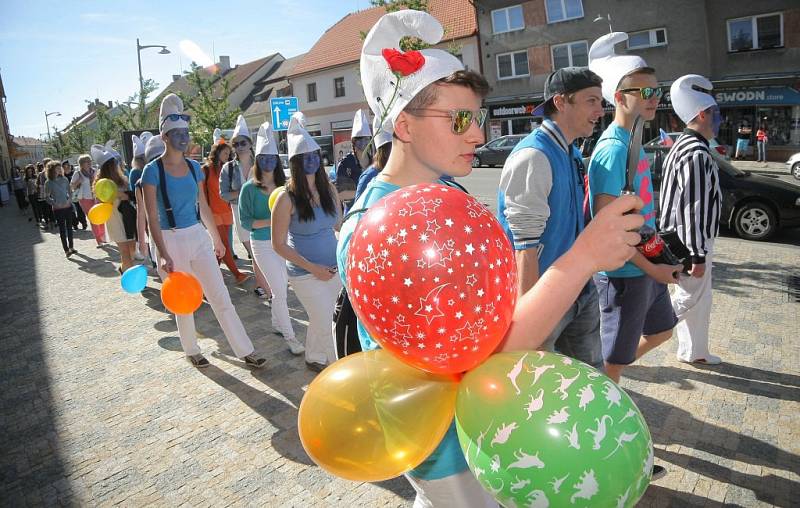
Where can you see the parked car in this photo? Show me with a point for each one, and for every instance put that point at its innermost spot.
(794, 165)
(753, 206)
(495, 152)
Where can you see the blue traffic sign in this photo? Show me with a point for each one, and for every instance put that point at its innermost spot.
(282, 109)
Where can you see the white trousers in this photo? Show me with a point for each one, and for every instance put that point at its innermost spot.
(461, 490)
(274, 268)
(319, 300)
(192, 252)
(692, 303)
(242, 233)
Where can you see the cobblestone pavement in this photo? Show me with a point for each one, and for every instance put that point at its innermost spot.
(98, 406)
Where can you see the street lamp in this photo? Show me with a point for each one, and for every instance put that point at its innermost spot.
(47, 122)
(139, 48)
(607, 17)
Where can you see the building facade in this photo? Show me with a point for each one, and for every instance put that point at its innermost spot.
(327, 82)
(749, 50)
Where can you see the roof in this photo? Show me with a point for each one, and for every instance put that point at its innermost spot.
(257, 102)
(341, 43)
(27, 141)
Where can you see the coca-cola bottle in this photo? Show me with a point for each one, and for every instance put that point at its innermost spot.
(654, 249)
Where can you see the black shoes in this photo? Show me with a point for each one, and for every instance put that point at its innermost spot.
(198, 361)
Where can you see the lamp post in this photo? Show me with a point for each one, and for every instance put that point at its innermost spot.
(607, 17)
(139, 48)
(47, 122)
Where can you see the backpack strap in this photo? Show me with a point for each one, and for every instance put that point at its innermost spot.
(162, 182)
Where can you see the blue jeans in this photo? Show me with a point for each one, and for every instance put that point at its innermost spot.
(762, 151)
(577, 335)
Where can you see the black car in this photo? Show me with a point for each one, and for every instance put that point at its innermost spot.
(495, 152)
(753, 206)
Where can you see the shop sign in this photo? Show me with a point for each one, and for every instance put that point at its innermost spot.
(511, 110)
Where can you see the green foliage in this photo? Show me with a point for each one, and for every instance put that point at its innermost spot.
(78, 140)
(131, 119)
(208, 106)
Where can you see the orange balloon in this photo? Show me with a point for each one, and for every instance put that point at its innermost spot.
(370, 417)
(100, 213)
(181, 293)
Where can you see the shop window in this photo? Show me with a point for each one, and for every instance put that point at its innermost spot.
(648, 38)
(512, 65)
(572, 54)
(563, 10)
(755, 32)
(508, 19)
(338, 87)
(311, 91)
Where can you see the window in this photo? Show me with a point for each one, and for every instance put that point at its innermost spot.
(338, 87)
(755, 32)
(572, 54)
(648, 38)
(311, 90)
(562, 10)
(512, 65)
(508, 19)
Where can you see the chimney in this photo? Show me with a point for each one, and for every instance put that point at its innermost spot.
(224, 64)
(176, 77)
(110, 104)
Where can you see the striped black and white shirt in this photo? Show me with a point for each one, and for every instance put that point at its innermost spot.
(691, 199)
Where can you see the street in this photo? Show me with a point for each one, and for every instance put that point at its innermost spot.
(100, 408)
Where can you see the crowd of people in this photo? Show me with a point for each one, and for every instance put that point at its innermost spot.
(585, 289)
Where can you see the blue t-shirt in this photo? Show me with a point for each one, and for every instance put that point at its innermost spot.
(447, 459)
(608, 174)
(315, 240)
(182, 193)
(133, 178)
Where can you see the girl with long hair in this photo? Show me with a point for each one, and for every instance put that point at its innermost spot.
(223, 216)
(58, 196)
(255, 215)
(121, 226)
(304, 220)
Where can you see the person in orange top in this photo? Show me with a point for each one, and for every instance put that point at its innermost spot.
(223, 217)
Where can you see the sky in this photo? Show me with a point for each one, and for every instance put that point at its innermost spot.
(55, 55)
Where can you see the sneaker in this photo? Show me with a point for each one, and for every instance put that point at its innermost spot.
(295, 347)
(254, 361)
(198, 361)
(73, 251)
(658, 472)
(68, 253)
(708, 360)
(259, 291)
(316, 367)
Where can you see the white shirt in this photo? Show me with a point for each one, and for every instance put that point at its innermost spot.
(85, 190)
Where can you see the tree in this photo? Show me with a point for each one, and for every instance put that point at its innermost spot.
(107, 126)
(136, 119)
(78, 140)
(209, 105)
(411, 43)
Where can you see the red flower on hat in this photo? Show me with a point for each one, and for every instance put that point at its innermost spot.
(401, 63)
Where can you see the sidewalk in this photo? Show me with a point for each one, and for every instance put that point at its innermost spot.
(99, 407)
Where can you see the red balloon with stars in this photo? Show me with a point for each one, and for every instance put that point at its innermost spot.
(432, 277)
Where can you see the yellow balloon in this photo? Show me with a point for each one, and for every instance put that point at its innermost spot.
(370, 417)
(100, 213)
(105, 190)
(273, 197)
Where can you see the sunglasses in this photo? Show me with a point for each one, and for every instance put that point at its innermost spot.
(646, 92)
(461, 118)
(240, 144)
(174, 117)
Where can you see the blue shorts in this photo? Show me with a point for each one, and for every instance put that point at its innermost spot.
(629, 308)
(742, 144)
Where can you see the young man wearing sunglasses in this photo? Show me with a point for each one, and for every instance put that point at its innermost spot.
(636, 312)
(540, 201)
(437, 124)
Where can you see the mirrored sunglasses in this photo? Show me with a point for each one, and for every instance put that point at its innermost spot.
(461, 118)
(646, 92)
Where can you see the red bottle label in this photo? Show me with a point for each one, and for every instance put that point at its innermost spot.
(652, 247)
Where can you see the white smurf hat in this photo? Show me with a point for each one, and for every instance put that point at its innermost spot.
(155, 148)
(217, 136)
(299, 140)
(301, 117)
(265, 140)
(138, 146)
(383, 64)
(610, 66)
(241, 129)
(171, 105)
(360, 125)
(690, 95)
(103, 153)
(382, 136)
